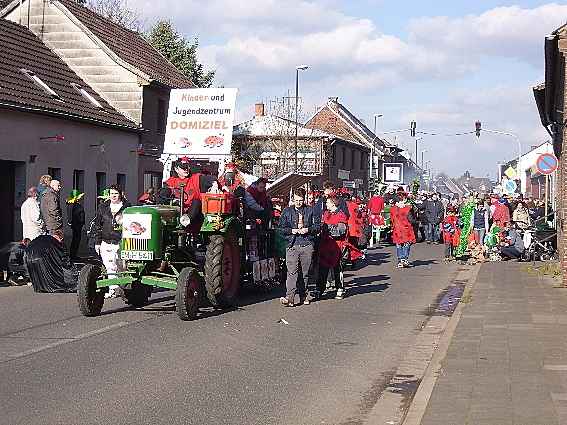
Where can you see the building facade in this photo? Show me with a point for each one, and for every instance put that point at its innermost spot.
(551, 100)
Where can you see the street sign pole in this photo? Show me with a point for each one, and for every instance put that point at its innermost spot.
(546, 194)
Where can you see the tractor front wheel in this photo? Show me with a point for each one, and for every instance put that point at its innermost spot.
(89, 297)
(222, 270)
(138, 295)
(187, 293)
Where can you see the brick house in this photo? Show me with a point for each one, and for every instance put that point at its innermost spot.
(335, 118)
(551, 100)
(321, 155)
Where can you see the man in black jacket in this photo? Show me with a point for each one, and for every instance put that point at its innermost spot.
(433, 213)
(299, 227)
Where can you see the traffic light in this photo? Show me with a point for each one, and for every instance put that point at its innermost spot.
(413, 126)
(478, 127)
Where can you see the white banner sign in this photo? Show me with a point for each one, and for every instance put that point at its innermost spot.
(199, 122)
(393, 173)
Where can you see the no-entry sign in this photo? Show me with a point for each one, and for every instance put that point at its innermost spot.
(547, 163)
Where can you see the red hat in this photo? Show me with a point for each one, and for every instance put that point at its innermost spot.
(231, 166)
(184, 160)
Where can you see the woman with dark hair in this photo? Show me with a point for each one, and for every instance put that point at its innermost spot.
(334, 235)
(108, 232)
(402, 229)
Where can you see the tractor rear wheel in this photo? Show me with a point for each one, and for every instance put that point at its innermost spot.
(138, 295)
(222, 270)
(187, 293)
(89, 297)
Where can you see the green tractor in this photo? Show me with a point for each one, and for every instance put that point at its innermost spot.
(157, 252)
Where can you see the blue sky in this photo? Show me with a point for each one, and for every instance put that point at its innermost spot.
(442, 63)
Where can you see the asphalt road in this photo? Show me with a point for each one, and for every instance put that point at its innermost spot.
(326, 366)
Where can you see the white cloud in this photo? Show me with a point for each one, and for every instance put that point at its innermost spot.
(255, 45)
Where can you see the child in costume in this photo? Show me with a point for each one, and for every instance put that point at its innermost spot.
(451, 232)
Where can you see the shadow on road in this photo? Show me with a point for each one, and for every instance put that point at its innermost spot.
(418, 263)
(367, 285)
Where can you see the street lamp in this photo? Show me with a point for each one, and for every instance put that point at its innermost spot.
(422, 152)
(417, 140)
(373, 147)
(376, 116)
(297, 69)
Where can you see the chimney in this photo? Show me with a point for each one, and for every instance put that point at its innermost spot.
(334, 99)
(259, 109)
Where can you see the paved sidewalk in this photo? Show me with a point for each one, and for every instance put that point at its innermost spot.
(507, 361)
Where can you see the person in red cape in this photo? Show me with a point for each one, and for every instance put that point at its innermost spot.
(333, 239)
(401, 216)
(451, 232)
(193, 185)
(355, 222)
(501, 214)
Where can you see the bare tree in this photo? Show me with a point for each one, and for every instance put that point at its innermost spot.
(117, 11)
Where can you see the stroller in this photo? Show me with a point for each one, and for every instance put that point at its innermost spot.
(540, 244)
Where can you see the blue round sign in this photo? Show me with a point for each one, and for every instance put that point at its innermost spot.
(510, 187)
(547, 163)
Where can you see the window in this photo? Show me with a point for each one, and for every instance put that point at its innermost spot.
(353, 160)
(79, 180)
(55, 173)
(100, 183)
(363, 161)
(121, 181)
(161, 116)
(152, 179)
(38, 82)
(334, 154)
(87, 96)
(344, 157)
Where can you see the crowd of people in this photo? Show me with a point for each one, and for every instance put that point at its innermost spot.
(322, 229)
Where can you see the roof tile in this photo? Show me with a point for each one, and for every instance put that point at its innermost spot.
(21, 49)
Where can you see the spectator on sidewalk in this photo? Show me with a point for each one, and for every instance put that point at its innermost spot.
(298, 227)
(479, 221)
(51, 207)
(76, 220)
(43, 185)
(401, 215)
(329, 189)
(30, 214)
(513, 245)
(521, 216)
(433, 212)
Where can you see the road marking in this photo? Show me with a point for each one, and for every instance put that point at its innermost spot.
(67, 341)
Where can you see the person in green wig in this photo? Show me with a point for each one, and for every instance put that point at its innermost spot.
(76, 220)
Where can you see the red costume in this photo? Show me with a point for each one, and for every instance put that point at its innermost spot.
(451, 230)
(402, 230)
(330, 249)
(355, 221)
(192, 188)
(375, 208)
(501, 215)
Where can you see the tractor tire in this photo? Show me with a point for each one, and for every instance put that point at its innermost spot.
(89, 298)
(138, 295)
(222, 270)
(189, 287)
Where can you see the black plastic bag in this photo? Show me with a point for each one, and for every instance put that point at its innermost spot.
(49, 266)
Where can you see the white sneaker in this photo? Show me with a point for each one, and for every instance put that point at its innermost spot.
(340, 294)
(114, 291)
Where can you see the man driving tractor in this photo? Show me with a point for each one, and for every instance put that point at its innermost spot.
(193, 185)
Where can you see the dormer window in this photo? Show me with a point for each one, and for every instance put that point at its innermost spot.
(87, 96)
(39, 82)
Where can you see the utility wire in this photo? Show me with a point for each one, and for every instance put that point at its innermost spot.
(446, 135)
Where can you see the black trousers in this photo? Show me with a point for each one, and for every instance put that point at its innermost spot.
(75, 241)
